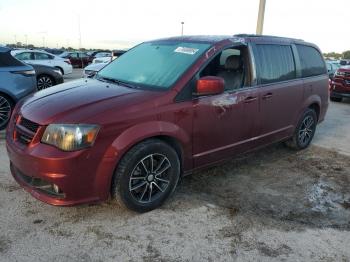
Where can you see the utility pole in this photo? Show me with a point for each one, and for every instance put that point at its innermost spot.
(182, 28)
(15, 36)
(261, 14)
(79, 31)
(26, 36)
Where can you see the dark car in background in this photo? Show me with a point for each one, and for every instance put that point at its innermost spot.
(345, 62)
(54, 51)
(163, 109)
(17, 80)
(77, 59)
(340, 86)
(47, 76)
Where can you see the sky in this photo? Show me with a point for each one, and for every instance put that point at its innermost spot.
(120, 24)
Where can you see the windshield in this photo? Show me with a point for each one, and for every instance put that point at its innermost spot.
(154, 64)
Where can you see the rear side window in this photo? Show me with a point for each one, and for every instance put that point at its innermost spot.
(42, 56)
(312, 63)
(275, 63)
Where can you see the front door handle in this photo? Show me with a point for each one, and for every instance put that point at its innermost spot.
(267, 96)
(250, 99)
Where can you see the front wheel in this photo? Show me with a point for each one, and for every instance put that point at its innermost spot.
(146, 176)
(305, 131)
(6, 107)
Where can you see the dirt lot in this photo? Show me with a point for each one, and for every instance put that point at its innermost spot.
(271, 205)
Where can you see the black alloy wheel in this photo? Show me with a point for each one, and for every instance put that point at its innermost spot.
(5, 111)
(44, 82)
(146, 176)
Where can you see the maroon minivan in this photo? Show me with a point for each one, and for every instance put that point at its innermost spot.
(162, 110)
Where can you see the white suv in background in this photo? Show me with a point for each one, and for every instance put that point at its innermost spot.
(43, 58)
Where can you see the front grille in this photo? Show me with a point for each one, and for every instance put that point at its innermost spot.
(347, 73)
(23, 138)
(29, 125)
(25, 131)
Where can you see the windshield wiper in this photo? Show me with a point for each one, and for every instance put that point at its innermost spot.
(115, 81)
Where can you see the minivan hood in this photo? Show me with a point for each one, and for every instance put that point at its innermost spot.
(79, 100)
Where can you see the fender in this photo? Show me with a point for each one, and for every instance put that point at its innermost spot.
(9, 94)
(313, 99)
(140, 132)
(134, 135)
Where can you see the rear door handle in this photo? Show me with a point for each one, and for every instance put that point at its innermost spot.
(250, 99)
(267, 96)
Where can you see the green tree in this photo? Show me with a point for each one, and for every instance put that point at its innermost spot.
(346, 54)
(332, 55)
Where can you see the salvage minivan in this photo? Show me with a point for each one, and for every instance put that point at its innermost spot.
(165, 109)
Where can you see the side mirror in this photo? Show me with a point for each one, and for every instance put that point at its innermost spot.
(92, 75)
(210, 85)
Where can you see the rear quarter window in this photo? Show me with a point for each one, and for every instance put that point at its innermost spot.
(275, 63)
(24, 56)
(312, 63)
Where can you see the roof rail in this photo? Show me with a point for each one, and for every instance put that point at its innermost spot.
(267, 36)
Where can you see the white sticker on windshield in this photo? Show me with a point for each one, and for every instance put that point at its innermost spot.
(186, 50)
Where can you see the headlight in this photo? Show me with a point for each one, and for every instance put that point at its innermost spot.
(70, 137)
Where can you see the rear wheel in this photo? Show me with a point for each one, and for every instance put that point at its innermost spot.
(305, 131)
(44, 81)
(146, 176)
(336, 99)
(6, 107)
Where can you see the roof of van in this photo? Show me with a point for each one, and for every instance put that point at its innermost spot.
(218, 38)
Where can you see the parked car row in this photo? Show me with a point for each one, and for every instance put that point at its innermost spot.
(100, 62)
(19, 79)
(43, 58)
(82, 59)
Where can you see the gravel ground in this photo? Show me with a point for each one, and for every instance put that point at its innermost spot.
(271, 205)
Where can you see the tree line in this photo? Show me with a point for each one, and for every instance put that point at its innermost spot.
(344, 55)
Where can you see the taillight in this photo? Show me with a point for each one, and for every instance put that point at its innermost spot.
(67, 61)
(24, 72)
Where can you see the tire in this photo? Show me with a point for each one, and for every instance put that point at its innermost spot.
(336, 99)
(6, 107)
(140, 186)
(44, 81)
(304, 132)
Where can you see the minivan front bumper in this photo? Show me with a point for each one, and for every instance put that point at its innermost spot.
(80, 177)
